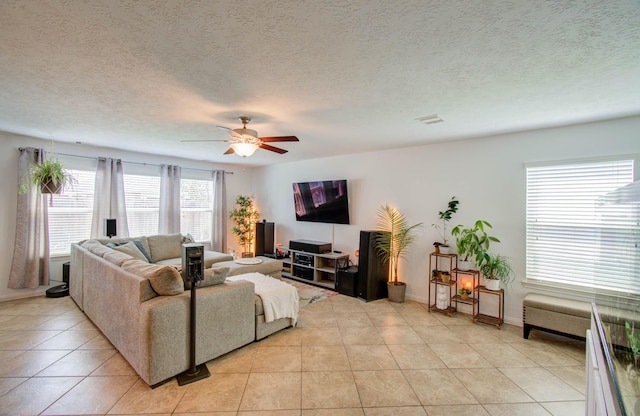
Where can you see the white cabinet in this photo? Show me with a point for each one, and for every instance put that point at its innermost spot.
(317, 269)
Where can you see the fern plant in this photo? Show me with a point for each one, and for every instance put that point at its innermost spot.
(50, 176)
(395, 237)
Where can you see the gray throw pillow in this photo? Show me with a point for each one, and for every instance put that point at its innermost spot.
(131, 249)
(143, 250)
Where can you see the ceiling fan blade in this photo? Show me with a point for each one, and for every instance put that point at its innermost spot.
(229, 151)
(273, 149)
(230, 131)
(280, 139)
(207, 140)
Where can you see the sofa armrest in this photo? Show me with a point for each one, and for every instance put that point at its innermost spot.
(225, 321)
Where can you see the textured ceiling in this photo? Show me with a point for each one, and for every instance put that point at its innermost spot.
(344, 76)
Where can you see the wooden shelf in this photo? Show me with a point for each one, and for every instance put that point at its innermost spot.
(488, 319)
(469, 301)
(450, 310)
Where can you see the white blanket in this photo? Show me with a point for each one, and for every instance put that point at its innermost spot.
(279, 299)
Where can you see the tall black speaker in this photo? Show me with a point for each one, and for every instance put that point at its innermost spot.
(265, 242)
(110, 227)
(372, 271)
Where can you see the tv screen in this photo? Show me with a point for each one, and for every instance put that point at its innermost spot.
(322, 201)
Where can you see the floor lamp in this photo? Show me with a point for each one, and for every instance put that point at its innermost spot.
(192, 272)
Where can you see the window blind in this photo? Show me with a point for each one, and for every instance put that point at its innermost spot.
(577, 232)
(196, 208)
(70, 215)
(142, 196)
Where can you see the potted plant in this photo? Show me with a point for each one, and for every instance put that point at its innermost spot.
(50, 176)
(472, 243)
(464, 293)
(445, 216)
(392, 243)
(496, 269)
(245, 217)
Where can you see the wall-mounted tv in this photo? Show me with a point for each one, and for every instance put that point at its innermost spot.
(322, 201)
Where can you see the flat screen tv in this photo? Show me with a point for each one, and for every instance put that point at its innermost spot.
(322, 201)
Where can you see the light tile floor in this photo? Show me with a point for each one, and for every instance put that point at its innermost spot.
(346, 358)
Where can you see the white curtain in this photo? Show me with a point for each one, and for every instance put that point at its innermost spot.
(169, 222)
(219, 216)
(30, 264)
(108, 200)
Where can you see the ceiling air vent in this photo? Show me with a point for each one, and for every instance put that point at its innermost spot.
(432, 119)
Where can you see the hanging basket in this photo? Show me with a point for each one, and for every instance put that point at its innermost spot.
(49, 187)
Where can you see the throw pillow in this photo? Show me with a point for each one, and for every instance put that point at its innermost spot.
(165, 280)
(143, 250)
(165, 246)
(212, 277)
(131, 249)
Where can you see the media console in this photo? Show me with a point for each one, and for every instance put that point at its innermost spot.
(319, 269)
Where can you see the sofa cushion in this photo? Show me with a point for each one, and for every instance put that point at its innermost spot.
(131, 249)
(96, 248)
(165, 280)
(165, 246)
(116, 257)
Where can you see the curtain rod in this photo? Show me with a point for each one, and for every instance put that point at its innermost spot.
(132, 163)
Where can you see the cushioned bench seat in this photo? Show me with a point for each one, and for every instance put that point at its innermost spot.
(564, 316)
(571, 317)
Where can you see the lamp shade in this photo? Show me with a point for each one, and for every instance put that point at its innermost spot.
(244, 149)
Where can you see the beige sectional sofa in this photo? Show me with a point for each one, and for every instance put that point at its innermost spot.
(118, 291)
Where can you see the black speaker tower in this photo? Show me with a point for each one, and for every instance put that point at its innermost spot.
(373, 273)
(265, 238)
(193, 272)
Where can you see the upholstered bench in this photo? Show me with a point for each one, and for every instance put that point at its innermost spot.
(556, 315)
(267, 266)
(572, 318)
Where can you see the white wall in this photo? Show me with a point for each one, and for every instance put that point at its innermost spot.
(239, 182)
(487, 175)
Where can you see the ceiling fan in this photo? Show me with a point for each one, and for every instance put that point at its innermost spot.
(244, 142)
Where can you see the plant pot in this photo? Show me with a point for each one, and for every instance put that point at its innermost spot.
(445, 277)
(464, 296)
(396, 291)
(49, 187)
(464, 265)
(492, 284)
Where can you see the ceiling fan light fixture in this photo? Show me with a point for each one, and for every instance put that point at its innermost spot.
(244, 149)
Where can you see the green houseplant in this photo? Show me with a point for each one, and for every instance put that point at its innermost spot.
(245, 216)
(496, 269)
(392, 244)
(50, 176)
(472, 243)
(445, 217)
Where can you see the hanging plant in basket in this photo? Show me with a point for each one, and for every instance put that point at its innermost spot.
(50, 176)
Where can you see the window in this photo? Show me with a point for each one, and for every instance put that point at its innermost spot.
(196, 208)
(142, 196)
(70, 215)
(579, 231)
